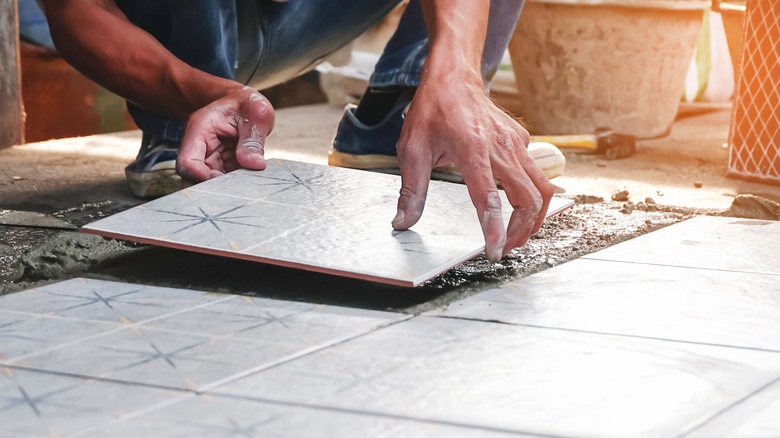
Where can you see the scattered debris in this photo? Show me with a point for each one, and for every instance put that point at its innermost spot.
(649, 201)
(659, 193)
(588, 199)
(698, 184)
(17, 178)
(620, 195)
(753, 207)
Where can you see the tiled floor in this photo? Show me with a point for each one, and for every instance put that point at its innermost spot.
(309, 216)
(676, 333)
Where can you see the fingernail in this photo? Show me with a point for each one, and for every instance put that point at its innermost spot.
(255, 156)
(399, 217)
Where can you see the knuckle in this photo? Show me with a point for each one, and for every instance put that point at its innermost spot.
(492, 202)
(407, 193)
(505, 141)
(546, 190)
(251, 143)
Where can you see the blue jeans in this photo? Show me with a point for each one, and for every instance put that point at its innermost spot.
(263, 43)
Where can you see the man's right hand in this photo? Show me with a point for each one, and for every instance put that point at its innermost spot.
(226, 135)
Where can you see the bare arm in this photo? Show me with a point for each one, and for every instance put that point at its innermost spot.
(452, 120)
(96, 38)
(227, 123)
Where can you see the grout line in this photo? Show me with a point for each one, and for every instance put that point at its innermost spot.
(295, 356)
(387, 415)
(593, 332)
(98, 378)
(587, 257)
(731, 406)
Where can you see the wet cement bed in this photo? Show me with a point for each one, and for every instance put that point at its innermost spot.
(31, 257)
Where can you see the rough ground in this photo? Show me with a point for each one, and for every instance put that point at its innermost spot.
(79, 180)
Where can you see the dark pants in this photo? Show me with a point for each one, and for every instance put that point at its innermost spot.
(263, 43)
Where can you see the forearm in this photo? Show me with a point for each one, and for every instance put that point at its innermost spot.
(96, 38)
(457, 31)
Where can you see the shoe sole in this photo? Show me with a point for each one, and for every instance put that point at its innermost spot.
(153, 184)
(547, 157)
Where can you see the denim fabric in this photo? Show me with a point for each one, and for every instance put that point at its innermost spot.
(403, 58)
(262, 43)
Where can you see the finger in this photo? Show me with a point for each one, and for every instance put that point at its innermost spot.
(542, 184)
(255, 121)
(190, 162)
(522, 194)
(478, 176)
(416, 164)
(214, 159)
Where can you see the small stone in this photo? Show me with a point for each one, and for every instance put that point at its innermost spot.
(17, 178)
(601, 164)
(659, 193)
(698, 184)
(649, 201)
(620, 195)
(588, 199)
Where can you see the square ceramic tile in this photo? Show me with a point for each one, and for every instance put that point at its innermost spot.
(303, 325)
(745, 245)
(685, 304)
(313, 217)
(758, 416)
(22, 334)
(36, 404)
(524, 379)
(105, 300)
(218, 417)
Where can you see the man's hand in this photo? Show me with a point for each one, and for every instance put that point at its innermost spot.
(451, 120)
(225, 135)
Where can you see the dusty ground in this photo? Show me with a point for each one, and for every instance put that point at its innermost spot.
(79, 180)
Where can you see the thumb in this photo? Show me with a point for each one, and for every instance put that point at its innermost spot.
(255, 121)
(416, 165)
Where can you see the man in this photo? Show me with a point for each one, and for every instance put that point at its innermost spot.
(189, 60)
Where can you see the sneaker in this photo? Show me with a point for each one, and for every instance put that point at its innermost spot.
(360, 146)
(153, 173)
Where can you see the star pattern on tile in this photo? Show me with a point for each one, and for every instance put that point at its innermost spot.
(21, 397)
(140, 357)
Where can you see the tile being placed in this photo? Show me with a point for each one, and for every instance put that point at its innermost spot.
(708, 242)
(686, 304)
(109, 301)
(757, 416)
(36, 404)
(523, 379)
(223, 417)
(313, 217)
